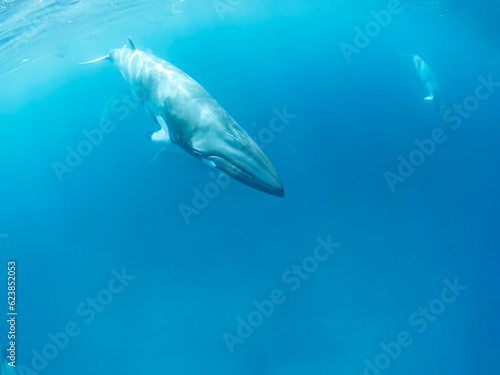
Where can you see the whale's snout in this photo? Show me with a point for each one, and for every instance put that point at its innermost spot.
(260, 177)
(226, 146)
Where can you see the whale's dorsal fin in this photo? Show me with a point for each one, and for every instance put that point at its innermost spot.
(131, 44)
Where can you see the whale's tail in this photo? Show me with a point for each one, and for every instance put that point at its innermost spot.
(131, 45)
(96, 60)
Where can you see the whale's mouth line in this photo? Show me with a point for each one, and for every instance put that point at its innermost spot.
(240, 174)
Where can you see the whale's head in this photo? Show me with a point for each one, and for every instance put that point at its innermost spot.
(252, 170)
(227, 147)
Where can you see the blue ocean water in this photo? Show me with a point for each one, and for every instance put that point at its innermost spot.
(382, 258)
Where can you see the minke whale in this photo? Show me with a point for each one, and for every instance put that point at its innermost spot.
(187, 116)
(430, 81)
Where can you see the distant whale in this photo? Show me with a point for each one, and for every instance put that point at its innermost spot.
(190, 118)
(430, 81)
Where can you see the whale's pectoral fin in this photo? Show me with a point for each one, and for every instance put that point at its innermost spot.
(161, 136)
(211, 164)
(158, 154)
(430, 97)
